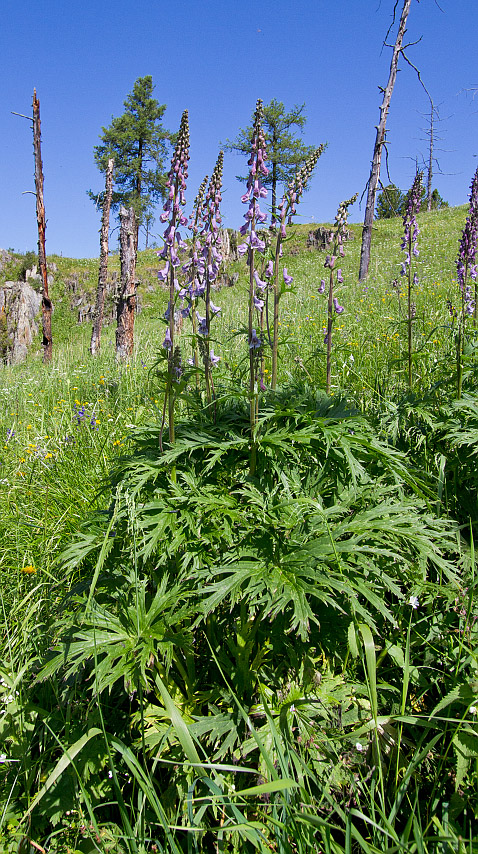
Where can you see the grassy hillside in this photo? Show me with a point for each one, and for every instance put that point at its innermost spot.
(197, 659)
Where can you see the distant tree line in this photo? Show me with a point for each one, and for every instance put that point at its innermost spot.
(392, 202)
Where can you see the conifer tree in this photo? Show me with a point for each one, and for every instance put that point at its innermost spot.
(285, 152)
(139, 145)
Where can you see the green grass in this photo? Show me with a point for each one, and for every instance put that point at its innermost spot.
(233, 664)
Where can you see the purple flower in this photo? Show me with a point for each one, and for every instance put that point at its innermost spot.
(269, 270)
(167, 343)
(214, 308)
(258, 303)
(260, 284)
(256, 242)
(340, 278)
(339, 309)
(254, 343)
(202, 328)
(287, 279)
(214, 359)
(321, 288)
(163, 274)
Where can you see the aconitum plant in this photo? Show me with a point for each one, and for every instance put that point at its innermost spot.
(335, 277)
(173, 244)
(252, 245)
(410, 247)
(194, 269)
(466, 269)
(212, 261)
(287, 209)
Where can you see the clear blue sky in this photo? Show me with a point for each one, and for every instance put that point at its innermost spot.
(215, 58)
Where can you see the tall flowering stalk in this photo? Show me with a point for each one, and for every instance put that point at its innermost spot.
(173, 243)
(252, 245)
(287, 209)
(410, 247)
(466, 268)
(212, 257)
(335, 277)
(195, 269)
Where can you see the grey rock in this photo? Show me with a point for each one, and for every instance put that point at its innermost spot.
(19, 320)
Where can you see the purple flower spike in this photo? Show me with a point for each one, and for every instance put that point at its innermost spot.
(339, 309)
(287, 279)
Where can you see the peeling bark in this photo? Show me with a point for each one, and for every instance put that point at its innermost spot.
(46, 305)
(379, 141)
(100, 292)
(127, 299)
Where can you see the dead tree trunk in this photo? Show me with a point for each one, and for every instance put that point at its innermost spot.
(100, 292)
(127, 298)
(377, 151)
(430, 156)
(46, 306)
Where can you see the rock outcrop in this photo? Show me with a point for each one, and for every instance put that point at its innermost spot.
(20, 318)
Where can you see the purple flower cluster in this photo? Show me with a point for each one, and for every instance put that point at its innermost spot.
(254, 216)
(204, 263)
(465, 264)
(337, 251)
(80, 415)
(173, 215)
(410, 226)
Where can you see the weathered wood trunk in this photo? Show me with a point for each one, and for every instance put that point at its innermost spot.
(100, 292)
(46, 306)
(430, 156)
(377, 151)
(127, 298)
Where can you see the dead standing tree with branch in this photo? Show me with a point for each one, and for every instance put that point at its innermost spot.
(379, 142)
(46, 305)
(127, 299)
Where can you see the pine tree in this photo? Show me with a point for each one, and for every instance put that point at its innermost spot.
(389, 202)
(284, 151)
(139, 145)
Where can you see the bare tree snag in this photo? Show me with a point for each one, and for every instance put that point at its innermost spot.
(379, 141)
(430, 156)
(100, 292)
(46, 305)
(127, 298)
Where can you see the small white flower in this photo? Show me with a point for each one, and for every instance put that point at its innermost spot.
(292, 708)
(3, 758)
(351, 358)
(413, 601)
(110, 774)
(473, 710)
(359, 747)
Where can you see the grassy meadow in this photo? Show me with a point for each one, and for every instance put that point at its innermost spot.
(222, 663)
